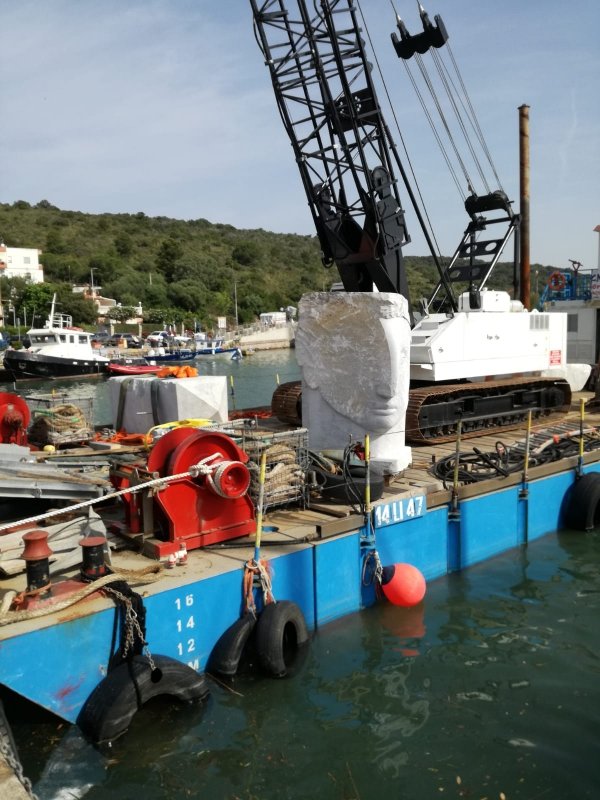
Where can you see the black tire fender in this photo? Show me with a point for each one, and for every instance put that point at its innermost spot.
(109, 709)
(281, 633)
(582, 510)
(228, 650)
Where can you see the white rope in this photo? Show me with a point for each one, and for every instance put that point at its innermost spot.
(194, 471)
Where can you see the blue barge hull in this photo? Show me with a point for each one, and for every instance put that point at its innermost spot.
(57, 660)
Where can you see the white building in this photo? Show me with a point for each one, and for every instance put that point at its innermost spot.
(21, 262)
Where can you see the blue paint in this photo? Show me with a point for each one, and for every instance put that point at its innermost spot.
(421, 542)
(57, 667)
(488, 526)
(337, 577)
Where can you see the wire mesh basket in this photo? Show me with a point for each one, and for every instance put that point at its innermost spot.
(286, 466)
(61, 417)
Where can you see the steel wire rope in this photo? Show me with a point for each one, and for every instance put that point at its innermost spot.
(387, 94)
(469, 111)
(434, 130)
(438, 61)
(473, 117)
(429, 83)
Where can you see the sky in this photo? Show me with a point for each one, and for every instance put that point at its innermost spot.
(166, 107)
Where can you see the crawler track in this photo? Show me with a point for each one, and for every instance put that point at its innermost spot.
(434, 411)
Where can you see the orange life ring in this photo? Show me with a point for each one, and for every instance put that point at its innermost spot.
(557, 281)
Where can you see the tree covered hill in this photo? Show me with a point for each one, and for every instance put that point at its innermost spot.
(178, 270)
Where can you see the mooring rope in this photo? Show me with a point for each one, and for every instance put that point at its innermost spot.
(147, 575)
(201, 468)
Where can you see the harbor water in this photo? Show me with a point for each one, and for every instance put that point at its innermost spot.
(489, 689)
(251, 382)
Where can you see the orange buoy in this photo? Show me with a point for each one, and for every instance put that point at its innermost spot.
(403, 585)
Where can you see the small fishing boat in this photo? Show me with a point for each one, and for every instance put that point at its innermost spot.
(215, 351)
(208, 346)
(58, 350)
(132, 367)
(172, 354)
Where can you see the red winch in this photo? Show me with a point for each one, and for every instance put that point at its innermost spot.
(208, 504)
(14, 419)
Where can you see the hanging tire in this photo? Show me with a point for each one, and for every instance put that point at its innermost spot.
(228, 650)
(582, 511)
(338, 489)
(109, 709)
(281, 635)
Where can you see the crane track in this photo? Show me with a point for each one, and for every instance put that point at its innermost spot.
(433, 412)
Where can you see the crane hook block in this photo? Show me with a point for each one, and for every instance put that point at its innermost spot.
(433, 36)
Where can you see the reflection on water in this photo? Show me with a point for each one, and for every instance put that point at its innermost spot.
(491, 687)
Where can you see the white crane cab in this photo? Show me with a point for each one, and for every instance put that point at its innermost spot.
(497, 338)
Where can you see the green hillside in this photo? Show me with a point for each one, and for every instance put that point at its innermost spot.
(180, 271)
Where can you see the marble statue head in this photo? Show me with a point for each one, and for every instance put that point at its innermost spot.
(354, 351)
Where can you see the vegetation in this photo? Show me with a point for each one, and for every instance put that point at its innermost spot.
(180, 271)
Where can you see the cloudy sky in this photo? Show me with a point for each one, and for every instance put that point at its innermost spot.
(166, 107)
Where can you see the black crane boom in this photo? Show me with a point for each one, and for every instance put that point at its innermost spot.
(343, 148)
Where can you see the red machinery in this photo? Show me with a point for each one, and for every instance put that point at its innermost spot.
(197, 509)
(14, 419)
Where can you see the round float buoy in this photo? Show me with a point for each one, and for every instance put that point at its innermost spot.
(403, 585)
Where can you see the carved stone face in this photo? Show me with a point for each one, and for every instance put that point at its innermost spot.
(355, 349)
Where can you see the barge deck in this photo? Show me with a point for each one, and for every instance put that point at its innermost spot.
(317, 560)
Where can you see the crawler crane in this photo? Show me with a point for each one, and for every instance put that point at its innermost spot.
(469, 343)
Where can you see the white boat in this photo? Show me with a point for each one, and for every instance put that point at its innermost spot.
(211, 346)
(58, 350)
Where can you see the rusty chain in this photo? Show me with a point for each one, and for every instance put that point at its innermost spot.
(13, 762)
(132, 627)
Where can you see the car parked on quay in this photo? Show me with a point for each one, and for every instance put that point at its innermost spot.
(130, 339)
(158, 338)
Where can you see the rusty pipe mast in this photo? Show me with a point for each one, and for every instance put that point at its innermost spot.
(524, 260)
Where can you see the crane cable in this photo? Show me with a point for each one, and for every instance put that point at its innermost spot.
(473, 118)
(452, 98)
(444, 121)
(455, 98)
(434, 130)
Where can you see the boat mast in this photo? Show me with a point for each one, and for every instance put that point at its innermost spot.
(51, 318)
